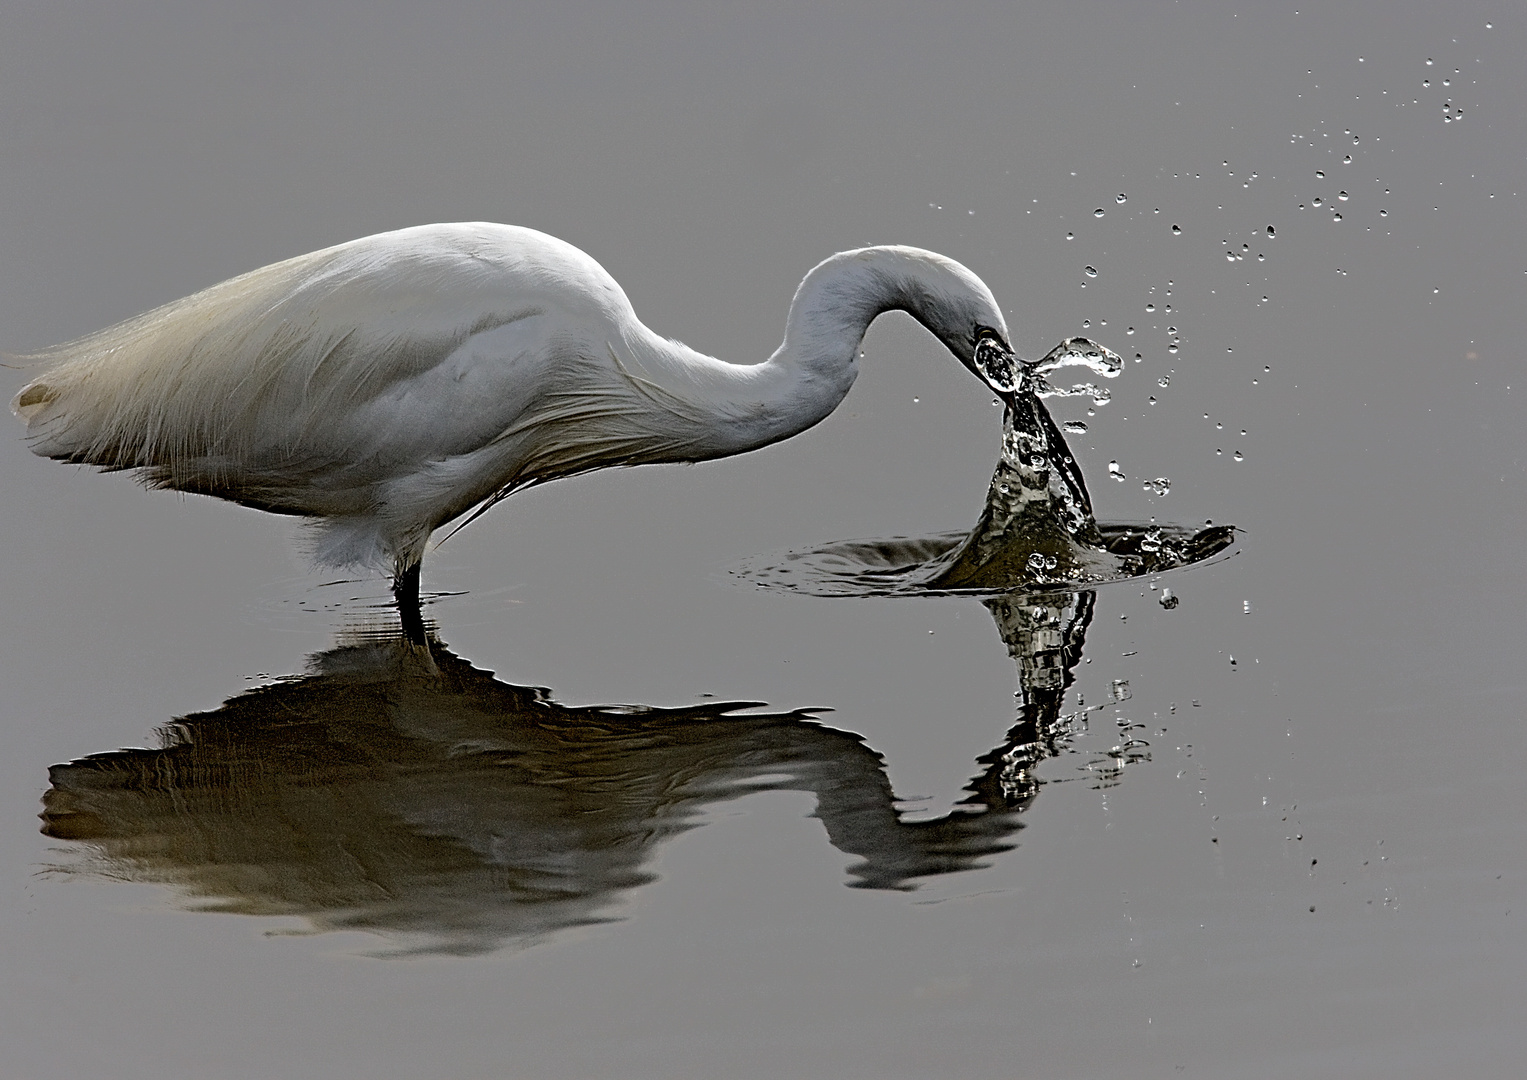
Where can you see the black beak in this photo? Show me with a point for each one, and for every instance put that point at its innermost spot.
(997, 364)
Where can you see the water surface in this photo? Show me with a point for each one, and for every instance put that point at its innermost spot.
(1271, 827)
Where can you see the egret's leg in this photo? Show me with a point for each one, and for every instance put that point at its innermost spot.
(405, 592)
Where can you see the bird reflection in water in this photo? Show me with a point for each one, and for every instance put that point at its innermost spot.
(401, 790)
(397, 789)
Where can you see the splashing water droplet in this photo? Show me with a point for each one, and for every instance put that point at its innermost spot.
(1167, 600)
(1084, 351)
(1116, 472)
(1160, 487)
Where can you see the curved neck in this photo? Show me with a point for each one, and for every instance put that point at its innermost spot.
(839, 299)
(728, 408)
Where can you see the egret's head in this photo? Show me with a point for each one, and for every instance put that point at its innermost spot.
(958, 308)
(843, 295)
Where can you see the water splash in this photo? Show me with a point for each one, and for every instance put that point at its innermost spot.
(1036, 531)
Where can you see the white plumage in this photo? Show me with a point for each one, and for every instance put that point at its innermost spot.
(387, 386)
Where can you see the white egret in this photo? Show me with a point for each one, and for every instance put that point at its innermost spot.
(390, 385)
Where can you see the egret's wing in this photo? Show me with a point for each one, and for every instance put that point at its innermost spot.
(292, 361)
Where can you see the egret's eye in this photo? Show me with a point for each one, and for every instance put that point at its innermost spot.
(981, 332)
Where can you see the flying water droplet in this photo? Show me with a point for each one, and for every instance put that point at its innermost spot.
(1176, 230)
(1091, 271)
(1121, 198)
(1343, 196)
(1160, 487)
(1116, 472)
(1075, 427)
(1167, 600)
(1098, 212)
(1164, 381)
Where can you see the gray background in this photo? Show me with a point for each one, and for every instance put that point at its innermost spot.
(708, 157)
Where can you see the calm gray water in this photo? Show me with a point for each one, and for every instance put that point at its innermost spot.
(1276, 829)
